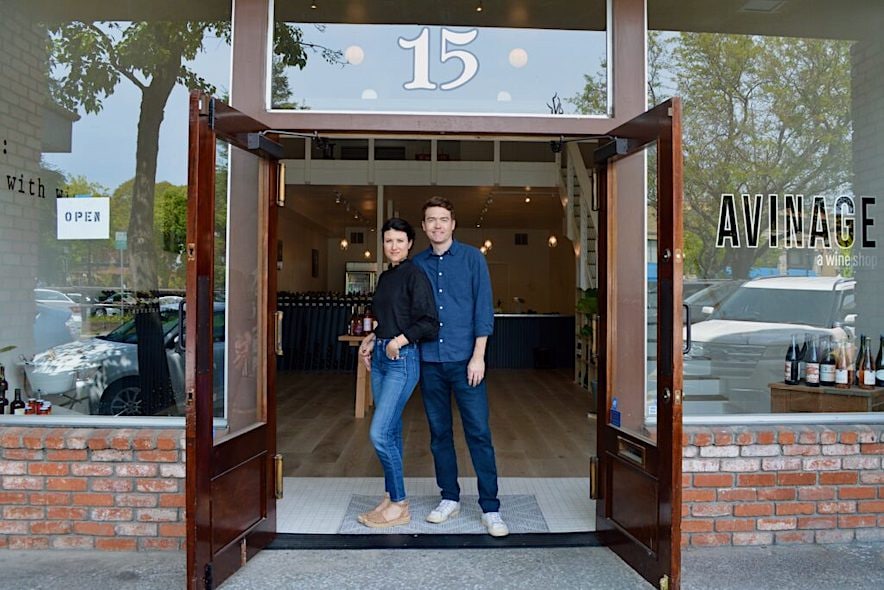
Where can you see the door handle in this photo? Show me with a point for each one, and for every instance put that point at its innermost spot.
(278, 333)
(686, 347)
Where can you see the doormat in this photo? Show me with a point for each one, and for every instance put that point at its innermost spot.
(520, 512)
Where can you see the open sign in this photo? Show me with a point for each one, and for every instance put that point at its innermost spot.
(83, 219)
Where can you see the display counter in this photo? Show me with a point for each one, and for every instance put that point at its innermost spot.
(531, 341)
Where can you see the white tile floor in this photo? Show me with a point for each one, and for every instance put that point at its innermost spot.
(316, 505)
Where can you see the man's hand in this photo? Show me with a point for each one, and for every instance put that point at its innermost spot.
(475, 371)
(365, 350)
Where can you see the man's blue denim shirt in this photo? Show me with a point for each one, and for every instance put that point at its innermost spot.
(462, 287)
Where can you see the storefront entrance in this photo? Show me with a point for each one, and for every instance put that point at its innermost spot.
(233, 476)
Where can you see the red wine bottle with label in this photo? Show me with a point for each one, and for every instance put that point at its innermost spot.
(792, 360)
(812, 364)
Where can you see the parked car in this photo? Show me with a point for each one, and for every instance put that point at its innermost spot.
(741, 348)
(115, 304)
(50, 298)
(704, 302)
(103, 371)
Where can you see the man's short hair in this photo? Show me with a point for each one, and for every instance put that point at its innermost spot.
(437, 201)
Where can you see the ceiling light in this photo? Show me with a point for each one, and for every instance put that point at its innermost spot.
(552, 242)
(483, 250)
(479, 7)
(488, 244)
(527, 199)
(313, 5)
(344, 244)
(367, 254)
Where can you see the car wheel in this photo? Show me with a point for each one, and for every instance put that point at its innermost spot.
(99, 312)
(123, 398)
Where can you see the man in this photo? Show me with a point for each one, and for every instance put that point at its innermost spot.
(455, 363)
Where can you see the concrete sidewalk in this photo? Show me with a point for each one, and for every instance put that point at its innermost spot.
(778, 567)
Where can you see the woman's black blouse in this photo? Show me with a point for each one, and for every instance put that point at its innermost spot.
(403, 304)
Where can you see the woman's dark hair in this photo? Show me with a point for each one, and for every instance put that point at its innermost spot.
(398, 224)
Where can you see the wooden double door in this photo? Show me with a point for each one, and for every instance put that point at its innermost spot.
(233, 473)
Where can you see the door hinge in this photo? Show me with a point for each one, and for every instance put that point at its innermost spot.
(207, 577)
(280, 189)
(664, 582)
(278, 332)
(594, 478)
(277, 464)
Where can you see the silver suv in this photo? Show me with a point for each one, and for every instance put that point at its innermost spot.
(740, 349)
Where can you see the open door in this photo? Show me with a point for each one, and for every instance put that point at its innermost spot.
(229, 341)
(640, 340)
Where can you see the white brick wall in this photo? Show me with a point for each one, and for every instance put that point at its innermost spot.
(22, 217)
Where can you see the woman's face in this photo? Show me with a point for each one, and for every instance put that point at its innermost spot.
(396, 245)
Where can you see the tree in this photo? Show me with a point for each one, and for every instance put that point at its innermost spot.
(90, 59)
(760, 115)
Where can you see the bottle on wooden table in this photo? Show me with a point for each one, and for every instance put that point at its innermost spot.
(17, 406)
(4, 387)
(368, 321)
(865, 372)
(879, 364)
(827, 365)
(812, 364)
(792, 360)
(842, 372)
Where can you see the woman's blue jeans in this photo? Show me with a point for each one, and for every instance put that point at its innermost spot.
(392, 383)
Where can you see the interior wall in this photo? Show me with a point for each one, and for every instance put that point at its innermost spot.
(299, 237)
(542, 276)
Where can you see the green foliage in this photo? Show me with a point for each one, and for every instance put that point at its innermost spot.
(761, 115)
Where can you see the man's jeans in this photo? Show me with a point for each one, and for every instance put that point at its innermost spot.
(392, 383)
(438, 380)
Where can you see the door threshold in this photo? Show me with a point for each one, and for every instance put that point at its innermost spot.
(300, 541)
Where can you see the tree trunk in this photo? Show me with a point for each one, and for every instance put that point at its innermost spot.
(153, 369)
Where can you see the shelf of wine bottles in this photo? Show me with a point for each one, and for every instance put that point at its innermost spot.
(311, 324)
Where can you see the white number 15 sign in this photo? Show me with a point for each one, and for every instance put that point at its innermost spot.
(421, 45)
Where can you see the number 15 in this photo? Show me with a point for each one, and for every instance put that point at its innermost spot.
(421, 45)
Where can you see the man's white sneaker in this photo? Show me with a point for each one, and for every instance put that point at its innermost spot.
(445, 510)
(495, 525)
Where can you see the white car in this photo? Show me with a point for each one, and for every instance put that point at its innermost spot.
(741, 348)
(102, 372)
(115, 304)
(50, 298)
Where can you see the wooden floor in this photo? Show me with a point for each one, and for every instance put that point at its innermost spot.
(539, 424)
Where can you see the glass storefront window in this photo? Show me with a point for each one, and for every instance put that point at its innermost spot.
(456, 67)
(94, 136)
(779, 223)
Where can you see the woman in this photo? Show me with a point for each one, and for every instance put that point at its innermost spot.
(405, 313)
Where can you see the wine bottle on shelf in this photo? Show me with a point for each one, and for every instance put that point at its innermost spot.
(368, 321)
(865, 372)
(879, 364)
(827, 365)
(18, 404)
(850, 355)
(842, 374)
(802, 358)
(812, 364)
(791, 372)
(858, 359)
(4, 387)
(357, 325)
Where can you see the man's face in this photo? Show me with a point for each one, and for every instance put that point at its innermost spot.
(438, 224)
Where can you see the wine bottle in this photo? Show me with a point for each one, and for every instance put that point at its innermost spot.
(827, 365)
(865, 373)
(812, 364)
(842, 374)
(18, 405)
(368, 321)
(4, 386)
(791, 372)
(858, 360)
(879, 364)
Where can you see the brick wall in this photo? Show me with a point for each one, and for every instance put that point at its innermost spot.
(78, 488)
(24, 217)
(763, 486)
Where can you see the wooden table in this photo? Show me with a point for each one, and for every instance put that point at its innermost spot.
(801, 398)
(363, 382)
